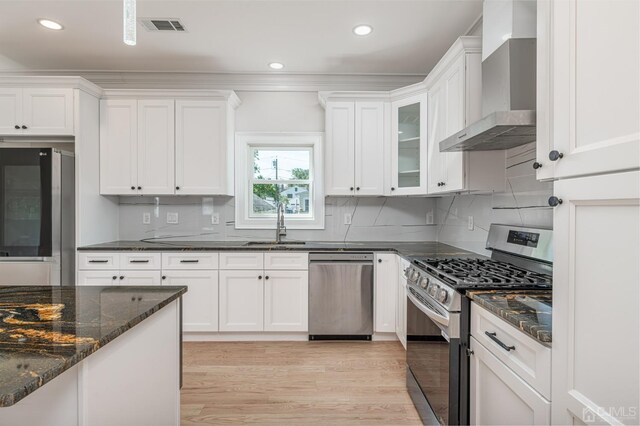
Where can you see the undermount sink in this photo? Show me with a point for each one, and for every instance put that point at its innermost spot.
(274, 243)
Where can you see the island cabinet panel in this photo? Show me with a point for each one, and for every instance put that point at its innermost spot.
(498, 396)
(200, 302)
(286, 300)
(241, 300)
(386, 276)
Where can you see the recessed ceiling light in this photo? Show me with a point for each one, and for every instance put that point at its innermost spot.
(362, 30)
(48, 23)
(276, 65)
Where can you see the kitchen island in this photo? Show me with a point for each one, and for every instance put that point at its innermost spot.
(90, 355)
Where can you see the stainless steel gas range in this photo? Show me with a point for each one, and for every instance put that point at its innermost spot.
(438, 314)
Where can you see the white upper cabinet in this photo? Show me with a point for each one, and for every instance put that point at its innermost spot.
(588, 104)
(203, 146)
(118, 147)
(156, 146)
(355, 144)
(36, 111)
(455, 90)
(409, 146)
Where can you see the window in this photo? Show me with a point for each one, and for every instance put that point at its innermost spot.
(273, 169)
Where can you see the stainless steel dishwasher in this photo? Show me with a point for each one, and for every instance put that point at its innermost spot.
(340, 296)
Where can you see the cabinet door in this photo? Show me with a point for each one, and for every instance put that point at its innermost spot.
(286, 300)
(11, 111)
(452, 170)
(156, 147)
(369, 148)
(386, 284)
(98, 278)
(48, 111)
(241, 304)
(437, 127)
(409, 146)
(401, 311)
(200, 302)
(498, 396)
(201, 148)
(118, 147)
(596, 248)
(340, 149)
(140, 278)
(588, 91)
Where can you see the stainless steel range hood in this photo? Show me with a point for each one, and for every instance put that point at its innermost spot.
(508, 101)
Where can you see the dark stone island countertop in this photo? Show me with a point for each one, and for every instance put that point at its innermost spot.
(47, 330)
(527, 310)
(427, 249)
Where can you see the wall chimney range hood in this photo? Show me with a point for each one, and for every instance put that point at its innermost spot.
(508, 101)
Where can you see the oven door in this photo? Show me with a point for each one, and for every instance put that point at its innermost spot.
(433, 358)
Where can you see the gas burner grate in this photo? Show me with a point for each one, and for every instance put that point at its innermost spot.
(482, 272)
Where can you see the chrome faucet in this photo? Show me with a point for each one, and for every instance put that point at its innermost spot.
(281, 230)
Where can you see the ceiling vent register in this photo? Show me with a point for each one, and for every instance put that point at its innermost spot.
(162, 24)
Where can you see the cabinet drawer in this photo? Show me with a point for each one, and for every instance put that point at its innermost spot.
(139, 260)
(98, 260)
(241, 260)
(174, 261)
(287, 261)
(530, 360)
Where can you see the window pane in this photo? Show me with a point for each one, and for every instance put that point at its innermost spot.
(271, 164)
(296, 199)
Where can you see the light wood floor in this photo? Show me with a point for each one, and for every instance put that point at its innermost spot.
(295, 383)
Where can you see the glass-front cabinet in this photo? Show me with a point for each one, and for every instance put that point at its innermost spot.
(409, 146)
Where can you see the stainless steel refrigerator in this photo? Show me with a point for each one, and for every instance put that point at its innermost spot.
(37, 217)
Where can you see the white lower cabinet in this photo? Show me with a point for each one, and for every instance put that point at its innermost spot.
(286, 297)
(401, 302)
(122, 277)
(386, 275)
(241, 300)
(498, 396)
(200, 302)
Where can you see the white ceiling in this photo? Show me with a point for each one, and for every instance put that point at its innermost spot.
(236, 36)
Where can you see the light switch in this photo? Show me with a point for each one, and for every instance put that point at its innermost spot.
(215, 218)
(146, 218)
(172, 217)
(347, 218)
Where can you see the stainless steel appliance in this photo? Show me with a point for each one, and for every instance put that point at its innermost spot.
(340, 295)
(37, 216)
(438, 314)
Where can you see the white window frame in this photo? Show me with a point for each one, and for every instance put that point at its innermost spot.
(244, 144)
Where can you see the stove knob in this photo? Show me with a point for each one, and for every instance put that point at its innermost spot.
(424, 282)
(415, 275)
(433, 290)
(443, 296)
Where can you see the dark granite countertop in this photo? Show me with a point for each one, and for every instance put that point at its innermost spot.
(46, 330)
(431, 249)
(527, 310)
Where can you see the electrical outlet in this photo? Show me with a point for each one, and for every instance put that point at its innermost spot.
(430, 217)
(347, 218)
(172, 217)
(470, 223)
(215, 218)
(146, 218)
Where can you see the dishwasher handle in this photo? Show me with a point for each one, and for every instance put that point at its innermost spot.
(340, 257)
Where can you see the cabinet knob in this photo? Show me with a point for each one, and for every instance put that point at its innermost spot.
(392, 188)
(164, 277)
(379, 260)
(133, 188)
(115, 277)
(351, 189)
(554, 201)
(24, 127)
(259, 277)
(139, 188)
(537, 165)
(17, 127)
(555, 155)
(122, 277)
(266, 277)
(358, 188)
(177, 188)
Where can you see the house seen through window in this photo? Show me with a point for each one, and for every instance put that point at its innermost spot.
(281, 175)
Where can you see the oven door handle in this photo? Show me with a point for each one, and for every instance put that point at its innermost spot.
(429, 312)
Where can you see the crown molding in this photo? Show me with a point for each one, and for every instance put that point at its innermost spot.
(238, 82)
(222, 95)
(47, 81)
(462, 46)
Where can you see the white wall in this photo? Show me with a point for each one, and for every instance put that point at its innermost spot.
(524, 203)
(279, 112)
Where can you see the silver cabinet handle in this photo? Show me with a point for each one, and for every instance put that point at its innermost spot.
(190, 261)
(139, 261)
(98, 261)
(493, 337)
